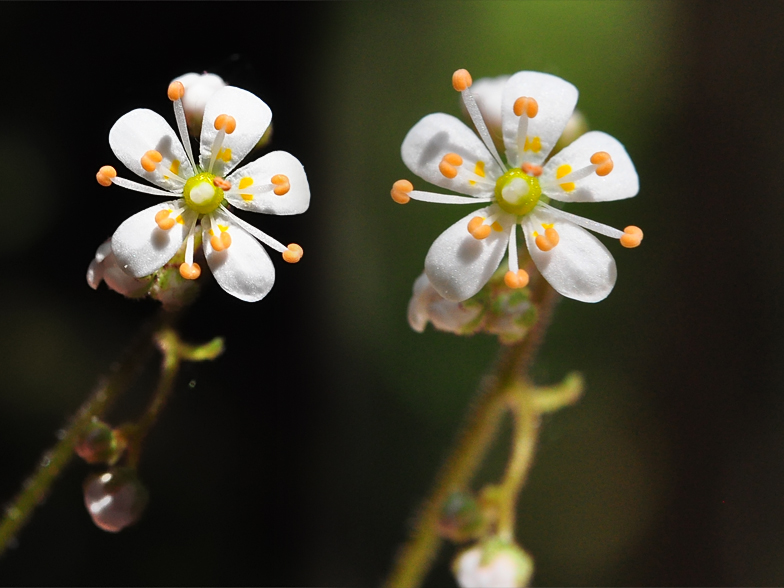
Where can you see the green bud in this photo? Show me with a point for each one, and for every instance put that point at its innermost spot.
(461, 518)
(99, 443)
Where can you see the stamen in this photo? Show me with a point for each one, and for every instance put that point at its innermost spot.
(512, 264)
(448, 165)
(478, 229)
(281, 183)
(526, 105)
(220, 239)
(254, 232)
(515, 280)
(580, 221)
(190, 270)
(549, 240)
(105, 175)
(163, 220)
(532, 169)
(122, 182)
(293, 254)
(176, 92)
(225, 123)
(632, 237)
(150, 160)
(603, 161)
(221, 183)
(461, 81)
(400, 191)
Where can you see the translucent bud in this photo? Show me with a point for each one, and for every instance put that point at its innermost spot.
(493, 564)
(198, 89)
(427, 305)
(115, 499)
(99, 443)
(104, 268)
(496, 309)
(461, 518)
(575, 128)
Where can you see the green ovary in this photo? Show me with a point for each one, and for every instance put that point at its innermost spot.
(517, 193)
(201, 194)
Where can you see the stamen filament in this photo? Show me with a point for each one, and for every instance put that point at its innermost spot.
(254, 232)
(461, 81)
(142, 188)
(423, 196)
(176, 92)
(577, 175)
(600, 228)
(513, 265)
(216, 147)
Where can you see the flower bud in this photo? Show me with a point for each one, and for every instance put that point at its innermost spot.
(115, 499)
(198, 89)
(99, 443)
(461, 518)
(104, 268)
(493, 564)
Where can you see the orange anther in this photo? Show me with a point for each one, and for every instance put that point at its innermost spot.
(105, 175)
(221, 242)
(632, 237)
(532, 169)
(281, 184)
(150, 160)
(527, 106)
(226, 123)
(176, 91)
(400, 190)
(604, 162)
(163, 220)
(221, 183)
(293, 254)
(547, 241)
(478, 229)
(453, 159)
(516, 280)
(190, 272)
(447, 170)
(461, 80)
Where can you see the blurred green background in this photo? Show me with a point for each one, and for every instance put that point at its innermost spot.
(301, 456)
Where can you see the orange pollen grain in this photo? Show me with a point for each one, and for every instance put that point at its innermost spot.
(547, 241)
(527, 106)
(105, 175)
(532, 169)
(516, 280)
(176, 91)
(478, 229)
(632, 237)
(221, 183)
(190, 272)
(281, 183)
(293, 254)
(226, 123)
(603, 161)
(461, 80)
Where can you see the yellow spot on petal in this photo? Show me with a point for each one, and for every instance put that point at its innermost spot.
(245, 182)
(247, 197)
(534, 144)
(179, 220)
(497, 227)
(479, 169)
(225, 155)
(563, 171)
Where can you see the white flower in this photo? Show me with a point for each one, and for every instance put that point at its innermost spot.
(535, 110)
(234, 120)
(198, 89)
(493, 564)
(104, 268)
(427, 305)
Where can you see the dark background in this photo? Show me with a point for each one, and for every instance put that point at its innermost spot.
(300, 456)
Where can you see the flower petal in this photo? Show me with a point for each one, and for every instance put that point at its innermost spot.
(621, 182)
(579, 267)
(245, 269)
(438, 134)
(458, 265)
(295, 201)
(252, 117)
(140, 131)
(556, 99)
(140, 247)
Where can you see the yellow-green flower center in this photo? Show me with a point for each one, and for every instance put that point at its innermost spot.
(201, 194)
(517, 193)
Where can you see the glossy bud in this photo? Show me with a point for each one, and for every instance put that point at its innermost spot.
(98, 444)
(115, 499)
(461, 518)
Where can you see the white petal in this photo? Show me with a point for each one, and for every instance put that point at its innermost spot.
(556, 99)
(579, 267)
(295, 201)
(141, 247)
(438, 134)
(621, 182)
(458, 265)
(245, 269)
(252, 116)
(142, 130)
